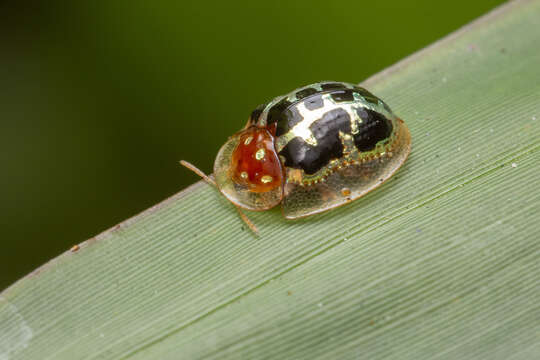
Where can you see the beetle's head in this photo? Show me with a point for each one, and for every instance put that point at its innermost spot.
(248, 170)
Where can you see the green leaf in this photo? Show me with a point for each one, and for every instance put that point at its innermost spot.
(442, 262)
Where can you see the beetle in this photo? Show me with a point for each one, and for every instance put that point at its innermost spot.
(316, 148)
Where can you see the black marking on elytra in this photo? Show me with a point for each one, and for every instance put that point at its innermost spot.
(300, 155)
(367, 95)
(373, 128)
(275, 113)
(291, 117)
(332, 86)
(256, 113)
(330, 124)
(314, 102)
(342, 96)
(305, 93)
(386, 107)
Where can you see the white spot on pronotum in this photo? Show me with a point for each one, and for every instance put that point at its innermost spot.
(259, 155)
(248, 140)
(534, 118)
(514, 165)
(16, 336)
(266, 179)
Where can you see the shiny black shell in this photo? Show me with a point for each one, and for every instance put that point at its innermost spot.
(310, 123)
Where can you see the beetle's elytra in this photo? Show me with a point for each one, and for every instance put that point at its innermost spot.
(316, 148)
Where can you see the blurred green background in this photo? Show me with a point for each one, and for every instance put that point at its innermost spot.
(100, 99)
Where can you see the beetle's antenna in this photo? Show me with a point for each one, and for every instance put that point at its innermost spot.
(212, 182)
(198, 171)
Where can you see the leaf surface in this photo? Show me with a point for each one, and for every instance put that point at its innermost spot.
(441, 262)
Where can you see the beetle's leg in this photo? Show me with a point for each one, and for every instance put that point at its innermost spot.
(212, 182)
(248, 222)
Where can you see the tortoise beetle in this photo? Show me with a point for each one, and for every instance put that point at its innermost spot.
(318, 147)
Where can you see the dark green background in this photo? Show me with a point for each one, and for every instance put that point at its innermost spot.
(100, 99)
